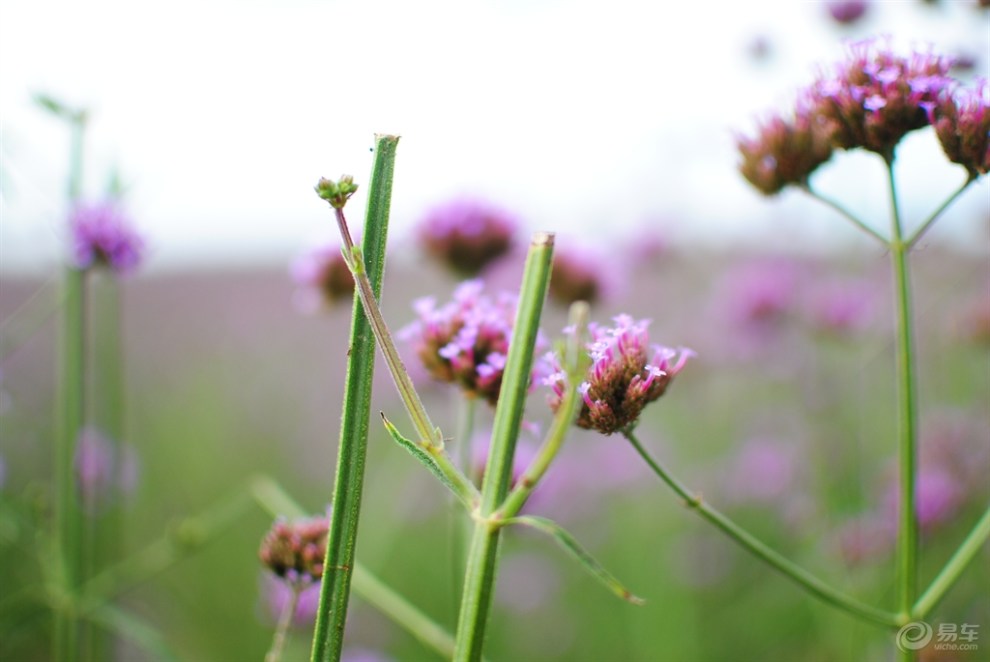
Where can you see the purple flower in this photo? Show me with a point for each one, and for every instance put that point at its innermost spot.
(626, 374)
(875, 97)
(322, 277)
(466, 341)
(579, 275)
(961, 118)
(839, 307)
(937, 495)
(295, 551)
(847, 12)
(102, 235)
(764, 471)
(467, 235)
(103, 470)
(277, 592)
(785, 151)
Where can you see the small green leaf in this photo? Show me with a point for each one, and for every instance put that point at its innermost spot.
(417, 452)
(574, 548)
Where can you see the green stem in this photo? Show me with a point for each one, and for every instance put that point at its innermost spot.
(953, 569)
(481, 570)
(328, 636)
(459, 526)
(575, 362)
(799, 575)
(938, 212)
(70, 418)
(276, 502)
(845, 212)
(282, 629)
(907, 532)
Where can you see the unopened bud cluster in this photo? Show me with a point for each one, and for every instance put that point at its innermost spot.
(626, 374)
(336, 192)
(295, 551)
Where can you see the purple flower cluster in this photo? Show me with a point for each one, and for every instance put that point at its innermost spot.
(870, 101)
(466, 341)
(847, 12)
(626, 374)
(322, 277)
(578, 275)
(103, 471)
(295, 551)
(961, 118)
(467, 235)
(102, 235)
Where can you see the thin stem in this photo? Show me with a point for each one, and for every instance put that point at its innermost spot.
(836, 206)
(284, 621)
(799, 575)
(482, 564)
(938, 212)
(70, 418)
(575, 362)
(459, 526)
(328, 636)
(907, 531)
(953, 569)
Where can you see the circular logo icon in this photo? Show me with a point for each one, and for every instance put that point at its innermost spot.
(914, 636)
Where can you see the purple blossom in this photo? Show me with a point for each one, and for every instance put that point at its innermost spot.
(840, 307)
(626, 374)
(467, 234)
(277, 592)
(764, 470)
(103, 470)
(961, 118)
(784, 152)
(465, 341)
(295, 551)
(937, 494)
(322, 278)
(580, 275)
(847, 12)
(103, 235)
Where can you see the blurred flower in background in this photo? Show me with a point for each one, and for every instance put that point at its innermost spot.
(322, 278)
(295, 551)
(276, 594)
(847, 12)
(102, 235)
(582, 274)
(466, 235)
(104, 470)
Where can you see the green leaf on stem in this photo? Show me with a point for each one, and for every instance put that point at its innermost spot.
(425, 458)
(574, 548)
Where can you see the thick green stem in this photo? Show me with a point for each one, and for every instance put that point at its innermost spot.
(953, 569)
(907, 530)
(70, 418)
(328, 636)
(575, 362)
(481, 570)
(799, 575)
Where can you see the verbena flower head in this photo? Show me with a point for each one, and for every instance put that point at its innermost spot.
(876, 97)
(322, 277)
(961, 118)
(847, 12)
(578, 275)
(295, 551)
(467, 235)
(276, 594)
(102, 235)
(466, 341)
(784, 152)
(626, 374)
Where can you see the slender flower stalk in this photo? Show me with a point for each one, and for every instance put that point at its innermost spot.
(920, 232)
(481, 571)
(950, 574)
(799, 575)
(282, 629)
(907, 532)
(838, 207)
(328, 636)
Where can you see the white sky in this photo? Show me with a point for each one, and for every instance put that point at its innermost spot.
(588, 118)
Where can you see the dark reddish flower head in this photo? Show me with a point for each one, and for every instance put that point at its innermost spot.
(467, 235)
(961, 118)
(102, 235)
(847, 12)
(295, 551)
(577, 276)
(322, 276)
(784, 152)
(625, 375)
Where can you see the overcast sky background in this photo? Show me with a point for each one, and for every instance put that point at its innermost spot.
(590, 119)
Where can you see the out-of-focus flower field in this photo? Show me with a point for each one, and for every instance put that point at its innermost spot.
(785, 419)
